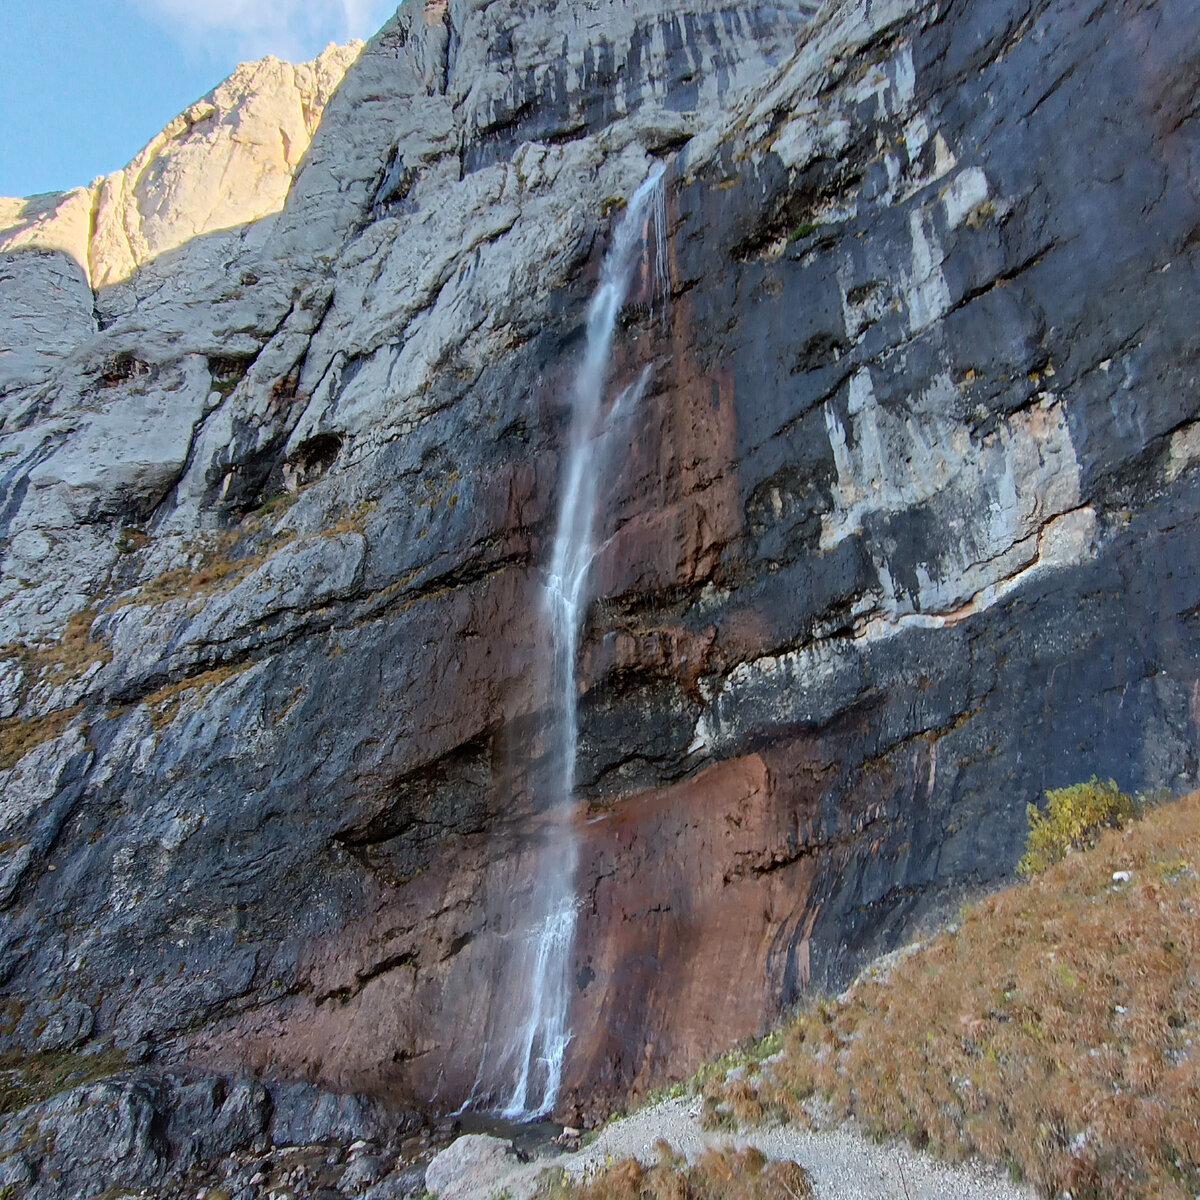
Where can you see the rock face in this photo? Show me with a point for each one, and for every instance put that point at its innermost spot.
(170, 1135)
(226, 161)
(905, 534)
(465, 1168)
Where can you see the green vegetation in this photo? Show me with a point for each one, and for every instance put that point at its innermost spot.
(719, 1175)
(130, 541)
(1055, 1030)
(27, 1079)
(803, 230)
(226, 373)
(748, 1055)
(1073, 819)
(277, 505)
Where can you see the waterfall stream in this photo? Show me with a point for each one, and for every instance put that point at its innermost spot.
(535, 1058)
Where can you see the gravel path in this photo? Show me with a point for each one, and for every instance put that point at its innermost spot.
(844, 1164)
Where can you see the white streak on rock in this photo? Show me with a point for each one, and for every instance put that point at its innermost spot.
(968, 190)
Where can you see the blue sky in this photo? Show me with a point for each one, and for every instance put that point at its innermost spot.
(87, 83)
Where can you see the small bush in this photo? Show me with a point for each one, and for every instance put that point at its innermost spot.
(719, 1175)
(130, 541)
(1073, 820)
(277, 505)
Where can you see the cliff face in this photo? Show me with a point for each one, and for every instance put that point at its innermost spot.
(228, 160)
(905, 532)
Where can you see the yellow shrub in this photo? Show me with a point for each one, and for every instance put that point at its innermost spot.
(1072, 820)
(725, 1174)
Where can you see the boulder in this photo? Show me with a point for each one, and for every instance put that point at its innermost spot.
(467, 1167)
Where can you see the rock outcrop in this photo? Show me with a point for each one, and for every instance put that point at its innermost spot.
(226, 161)
(166, 1135)
(905, 534)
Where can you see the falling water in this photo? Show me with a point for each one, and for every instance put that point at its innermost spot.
(541, 1043)
(662, 280)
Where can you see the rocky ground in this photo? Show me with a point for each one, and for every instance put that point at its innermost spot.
(124, 1151)
(842, 1162)
(137, 1132)
(142, 1135)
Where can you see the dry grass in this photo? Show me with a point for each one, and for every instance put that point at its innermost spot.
(18, 737)
(1056, 1030)
(741, 1102)
(354, 520)
(164, 704)
(218, 569)
(76, 651)
(224, 561)
(719, 1175)
(51, 664)
(71, 656)
(182, 581)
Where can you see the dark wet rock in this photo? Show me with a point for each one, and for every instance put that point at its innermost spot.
(303, 1114)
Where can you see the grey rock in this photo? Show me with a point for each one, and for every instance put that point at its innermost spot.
(46, 303)
(302, 1114)
(87, 1140)
(465, 1168)
(13, 865)
(399, 1186)
(68, 1025)
(147, 1130)
(210, 1119)
(362, 1172)
(16, 1172)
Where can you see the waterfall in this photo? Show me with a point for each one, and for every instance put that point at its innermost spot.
(662, 278)
(535, 1060)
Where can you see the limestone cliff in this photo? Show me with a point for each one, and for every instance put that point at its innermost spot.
(906, 531)
(226, 161)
